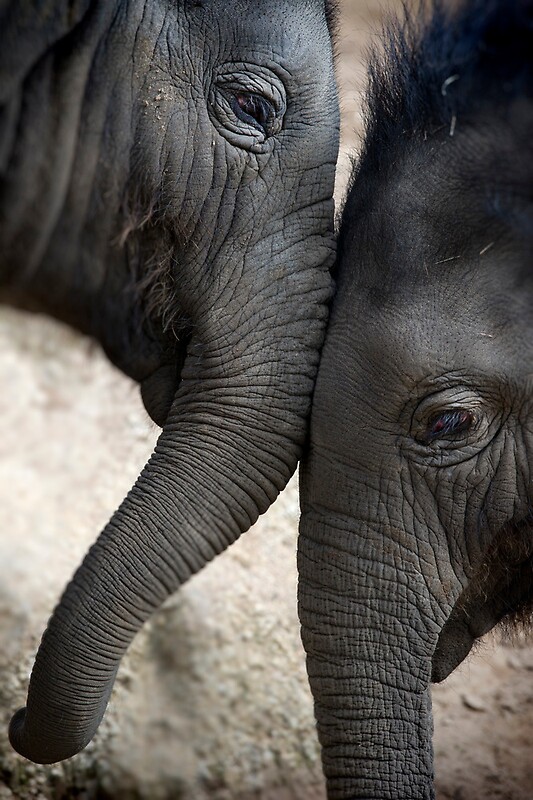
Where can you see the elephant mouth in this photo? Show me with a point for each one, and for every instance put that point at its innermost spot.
(159, 386)
(499, 592)
(158, 390)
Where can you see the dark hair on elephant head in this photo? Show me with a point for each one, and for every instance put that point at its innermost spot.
(434, 69)
(438, 68)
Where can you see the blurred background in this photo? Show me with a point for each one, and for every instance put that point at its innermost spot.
(212, 701)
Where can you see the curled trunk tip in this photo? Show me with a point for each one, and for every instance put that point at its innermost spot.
(32, 741)
(19, 740)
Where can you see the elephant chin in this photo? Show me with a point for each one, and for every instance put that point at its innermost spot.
(499, 591)
(454, 644)
(471, 617)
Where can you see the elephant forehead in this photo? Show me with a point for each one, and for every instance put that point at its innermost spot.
(288, 19)
(257, 7)
(394, 345)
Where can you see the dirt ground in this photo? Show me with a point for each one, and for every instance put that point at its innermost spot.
(483, 712)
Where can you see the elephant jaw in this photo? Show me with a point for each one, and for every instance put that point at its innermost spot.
(499, 591)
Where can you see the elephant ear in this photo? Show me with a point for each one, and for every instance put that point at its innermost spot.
(35, 25)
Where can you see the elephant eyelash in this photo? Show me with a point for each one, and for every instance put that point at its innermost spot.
(449, 423)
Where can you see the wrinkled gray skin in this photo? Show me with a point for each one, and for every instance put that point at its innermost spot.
(417, 536)
(140, 202)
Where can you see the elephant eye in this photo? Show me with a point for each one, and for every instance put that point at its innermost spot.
(448, 424)
(247, 104)
(254, 110)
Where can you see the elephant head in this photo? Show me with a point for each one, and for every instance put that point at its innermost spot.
(416, 532)
(166, 186)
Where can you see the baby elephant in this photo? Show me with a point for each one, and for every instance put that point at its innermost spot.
(166, 180)
(417, 489)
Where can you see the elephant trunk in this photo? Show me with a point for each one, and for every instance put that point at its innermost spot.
(230, 444)
(368, 657)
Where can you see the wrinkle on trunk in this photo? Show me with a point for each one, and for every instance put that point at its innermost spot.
(369, 662)
(230, 444)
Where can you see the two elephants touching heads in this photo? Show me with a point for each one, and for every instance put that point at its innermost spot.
(177, 206)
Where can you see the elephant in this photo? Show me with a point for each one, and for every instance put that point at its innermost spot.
(167, 174)
(416, 484)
